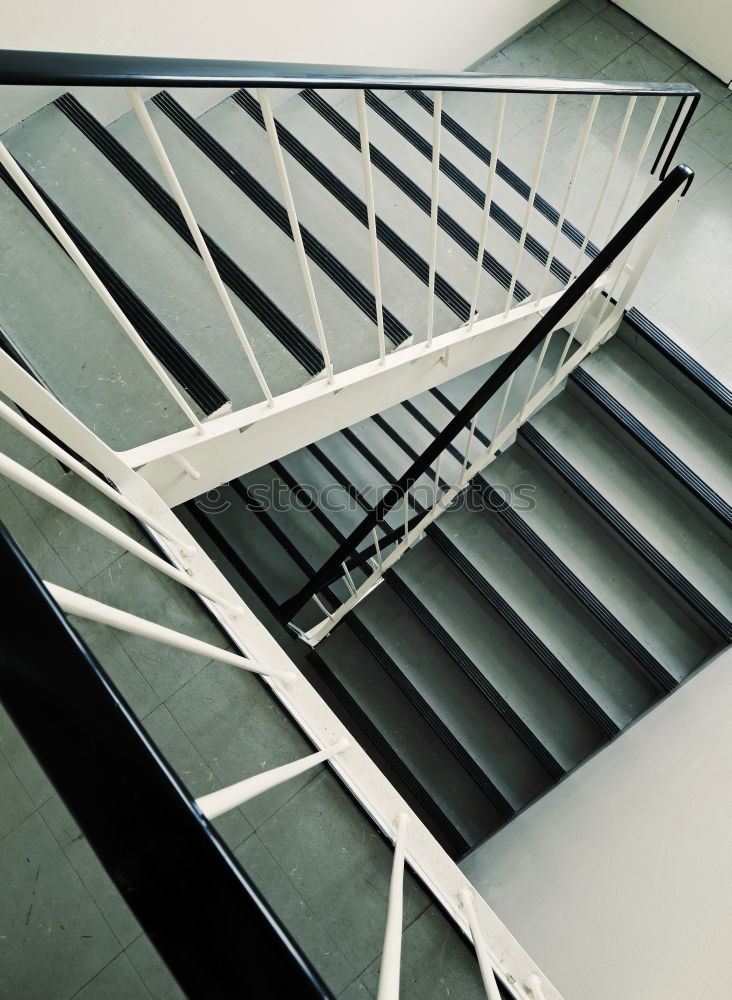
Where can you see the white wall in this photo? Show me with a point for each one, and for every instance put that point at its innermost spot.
(702, 28)
(617, 882)
(420, 34)
(427, 34)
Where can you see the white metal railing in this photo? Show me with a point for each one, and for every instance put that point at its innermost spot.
(191, 461)
(412, 842)
(592, 320)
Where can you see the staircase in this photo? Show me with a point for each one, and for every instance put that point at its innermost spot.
(576, 579)
(581, 579)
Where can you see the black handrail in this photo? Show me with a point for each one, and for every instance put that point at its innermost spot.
(88, 69)
(331, 570)
(74, 69)
(209, 923)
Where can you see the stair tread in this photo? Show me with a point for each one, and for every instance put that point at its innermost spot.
(600, 664)
(626, 587)
(499, 654)
(322, 213)
(246, 233)
(409, 736)
(666, 413)
(397, 211)
(476, 725)
(74, 343)
(629, 484)
(145, 251)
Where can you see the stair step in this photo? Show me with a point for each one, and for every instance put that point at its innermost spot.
(146, 251)
(678, 435)
(539, 701)
(249, 223)
(472, 722)
(406, 738)
(623, 489)
(56, 320)
(663, 634)
(685, 373)
(322, 204)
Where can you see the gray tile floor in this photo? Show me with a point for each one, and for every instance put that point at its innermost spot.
(64, 930)
(686, 289)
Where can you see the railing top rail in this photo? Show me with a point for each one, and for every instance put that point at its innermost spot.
(203, 914)
(68, 69)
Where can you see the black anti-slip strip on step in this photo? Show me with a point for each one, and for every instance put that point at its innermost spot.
(542, 652)
(464, 662)
(495, 503)
(627, 532)
(210, 525)
(182, 366)
(343, 194)
(653, 445)
(715, 389)
(505, 173)
(476, 675)
(307, 501)
(404, 684)
(415, 194)
(449, 405)
(458, 751)
(267, 311)
(277, 213)
(453, 840)
(362, 633)
(462, 181)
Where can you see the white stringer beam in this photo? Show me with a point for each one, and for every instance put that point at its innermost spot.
(237, 443)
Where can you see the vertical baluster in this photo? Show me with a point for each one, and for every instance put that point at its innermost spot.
(590, 230)
(484, 961)
(379, 560)
(392, 954)
(349, 579)
(436, 136)
(438, 466)
(466, 459)
(606, 184)
(569, 192)
(497, 131)
(279, 162)
(322, 607)
(568, 195)
(530, 202)
(406, 516)
(138, 106)
(535, 375)
(60, 234)
(637, 166)
(506, 394)
(655, 231)
(368, 186)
